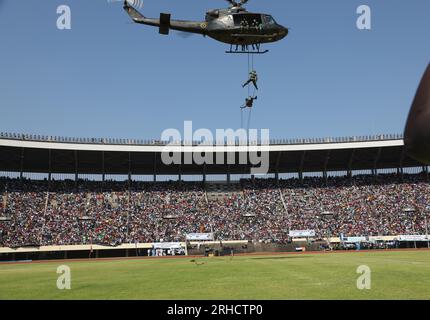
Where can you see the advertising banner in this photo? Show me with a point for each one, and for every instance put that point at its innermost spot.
(302, 233)
(355, 239)
(413, 238)
(200, 237)
(167, 245)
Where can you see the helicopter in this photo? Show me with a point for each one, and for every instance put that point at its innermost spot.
(417, 130)
(234, 26)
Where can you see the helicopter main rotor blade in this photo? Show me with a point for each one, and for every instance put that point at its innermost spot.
(233, 3)
(184, 35)
(417, 131)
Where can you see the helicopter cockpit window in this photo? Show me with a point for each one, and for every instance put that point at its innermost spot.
(247, 20)
(269, 19)
(213, 14)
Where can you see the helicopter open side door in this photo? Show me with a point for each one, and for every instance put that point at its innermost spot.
(247, 20)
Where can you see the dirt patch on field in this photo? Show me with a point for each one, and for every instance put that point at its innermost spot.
(259, 255)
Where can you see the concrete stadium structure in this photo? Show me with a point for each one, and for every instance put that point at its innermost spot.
(53, 155)
(21, 154)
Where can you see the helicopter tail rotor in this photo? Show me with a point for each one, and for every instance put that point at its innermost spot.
(130, 3)
(131, 6)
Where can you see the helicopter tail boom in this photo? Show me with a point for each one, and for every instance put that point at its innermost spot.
(164, 23)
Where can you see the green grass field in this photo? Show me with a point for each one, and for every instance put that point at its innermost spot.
(395, 275)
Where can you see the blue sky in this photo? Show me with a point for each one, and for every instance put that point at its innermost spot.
(108, 77)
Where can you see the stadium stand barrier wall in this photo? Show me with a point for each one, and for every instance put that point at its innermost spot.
(46, 157)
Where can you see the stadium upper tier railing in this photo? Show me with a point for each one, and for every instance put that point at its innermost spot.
(109, 141)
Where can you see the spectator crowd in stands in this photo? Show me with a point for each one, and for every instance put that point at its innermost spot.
(113, 213)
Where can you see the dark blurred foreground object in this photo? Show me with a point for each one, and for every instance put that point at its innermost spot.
(417, 131)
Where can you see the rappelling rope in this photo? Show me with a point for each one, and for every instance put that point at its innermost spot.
(250, 69)
(241, 118)
(249, 120)
(249, 88)
(252, 62)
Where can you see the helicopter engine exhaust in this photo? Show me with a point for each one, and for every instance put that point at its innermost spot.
(164, 23)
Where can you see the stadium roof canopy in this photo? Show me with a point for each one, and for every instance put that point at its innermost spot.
(23, 153)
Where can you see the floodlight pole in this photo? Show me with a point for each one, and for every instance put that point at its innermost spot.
(5, 200)
(328, 232)
(427, 232)
(410, 211)
(413, 230)
(186, 246)
(328, 235)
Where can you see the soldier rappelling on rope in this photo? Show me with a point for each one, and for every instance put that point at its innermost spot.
(253, 77)
(249, 102)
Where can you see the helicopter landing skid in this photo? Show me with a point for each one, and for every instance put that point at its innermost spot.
(246, 50)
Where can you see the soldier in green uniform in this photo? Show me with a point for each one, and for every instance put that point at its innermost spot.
(253, 77)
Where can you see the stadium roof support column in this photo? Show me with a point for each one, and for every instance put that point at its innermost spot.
(76, 168)
(155, 167)
(228, 174)
(204, 173)
(21, 166)
(302, 163)
(278, 160)
(180, 173)
(350, 163)
(376, 161)
(129, 169)
(49, 167)
(103, 169)
(326, 160)
(400, 168)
